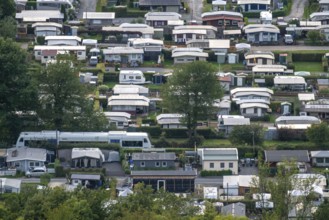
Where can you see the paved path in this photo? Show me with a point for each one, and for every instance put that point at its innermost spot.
(297, 9)
(289, 48)
(196, 7)
(87, 6)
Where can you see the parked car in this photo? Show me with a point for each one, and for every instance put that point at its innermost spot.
(36, 172)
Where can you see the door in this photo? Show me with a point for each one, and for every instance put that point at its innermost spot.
(161, 184)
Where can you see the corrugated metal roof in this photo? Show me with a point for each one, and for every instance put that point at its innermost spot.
(153, 156)
(155, 173)
(286, 155)
(87, 152)
(306, 96)
(85, 176)
(99, 15)
(236, 121)
(289, 80)
(25, 153)
(322, 153)
(252, 105)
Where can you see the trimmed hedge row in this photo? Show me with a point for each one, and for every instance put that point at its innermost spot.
(123, 12)
(111, 77)
(310, 57)
(182, 133)
(204, 173)
(153, 131)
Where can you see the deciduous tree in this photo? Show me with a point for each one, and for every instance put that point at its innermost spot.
(191, 91)
(247, 135)
(318, 133)
(8, 27)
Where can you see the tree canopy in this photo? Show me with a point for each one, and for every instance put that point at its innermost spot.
(318, 133)
(64, 103)
(8, 27)
(17, 93)
(247, 135)
(7, 8)
(191, 91)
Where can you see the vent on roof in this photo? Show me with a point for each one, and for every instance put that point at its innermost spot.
(14, 153)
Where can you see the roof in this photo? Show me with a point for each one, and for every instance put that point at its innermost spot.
(39, 15)
(231, 32)
(169, 118)
(236, 121)
(286, 155)
(259, 54)
(123, 50)
(117, 114)
(289, 80)
(86, 176)
(266, 2)
(153, 156)
(25, 153)
(253, 28)
(297, 120)
(162, 16)
(306, 96)
(129, 89)
(323, 82)
(218, 154)
(220, 13)
(234, 209)
(145, 41)
(189, 54)
(322, 153)
(9, 182)
(190, 31)
(63, 37)
(159, 2)
(196, 27)
(219, 44)
(253, 105)
(98, 15)
(63, 48)
(156, 173)
(47, 24)
(241, 101)
(268, 68)
(218, 2)
(239, 180)
(251, 89)
(239, 94)
(127, 27)
(128, 100)
(87, 152)
(49, 53)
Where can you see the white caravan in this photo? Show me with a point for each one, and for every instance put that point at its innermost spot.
(131, 77)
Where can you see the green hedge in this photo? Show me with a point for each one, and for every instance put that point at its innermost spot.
(111, 77)
(153, 131)
(204, 173)
(310, 57)
(148, 121)
(176, 133)
(87, 145)
(123, 12)
(275, 105)
(251, 14)
(95, 71)
(31, 5)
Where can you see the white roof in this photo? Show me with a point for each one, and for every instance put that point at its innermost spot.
(65, 48)
(189, 54)
(322, 153)
(219, 44)
(289, 80)
(218, 2)
(239, 94)
(309, 23)
(266, 15)
(47, 24)
(251, 89)
(190, 31)
(261, 196)
(196, 27)
(241, 101)
(215, 13)
(117, 114)
(123, 50)
(269, 68)
(236, 121)
(232, 32)
(126, 27)
(9, 182)
(175, 22)
(252, 28)
(98, 15)
(169, 118)
(25, 153)
(145, 41)
(173, 115)
(302, 73)
(87, 152)
(243, 2)
(39, 15)
(297, 119)
(130, 100)
(89, 42)
(162, 16)
(130, 89)
(253, 105)
(306, 96)
(261, 54)
(294, 126)
(63, 37)
(319, 14)
(239, 180)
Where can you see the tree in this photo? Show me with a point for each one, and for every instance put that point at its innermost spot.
(191, 91)
(63, 100)
(7, 8)
(8, 27)
(318, 133)
(322, 212)
(17, 93)
(247, 135)
(314, 36)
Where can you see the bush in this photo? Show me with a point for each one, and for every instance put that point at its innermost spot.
(59, 171)
(208, 133)
(310, 57)
(148, 121)
(153, 131)
(111, 77)
(167, 55)
(204, 173)
(176, 133)
(162, 143)
(275, 106)
(31, 5)
(123, 12)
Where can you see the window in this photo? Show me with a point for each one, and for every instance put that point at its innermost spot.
(319, 160)
(39, 53)
(220, 22)
(79, 53)
(211, 165)
(37, 164)
(255, 110)
(138, 77)
(142, 164)
(31, 164)
(145, 140)
(131, 77)
(327, 160)
(227, 22)
(46, 57)
(234, 22)
(133, 56)
(164, 164)
(230, 165)
(17, 164)
(157, 164)
(222, 165)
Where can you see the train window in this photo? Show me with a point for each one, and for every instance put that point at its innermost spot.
(21, 139)
(145, 140)
(132, 143)
(26, 143)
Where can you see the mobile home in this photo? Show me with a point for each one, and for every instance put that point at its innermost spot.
(131, 77)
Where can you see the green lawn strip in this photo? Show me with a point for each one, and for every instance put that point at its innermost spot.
(308, 66)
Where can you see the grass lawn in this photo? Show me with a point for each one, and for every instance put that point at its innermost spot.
(225, 67)
(308, 66)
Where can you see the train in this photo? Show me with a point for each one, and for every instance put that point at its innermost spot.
(123, 138)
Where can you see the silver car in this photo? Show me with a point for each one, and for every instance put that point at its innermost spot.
(36, 172)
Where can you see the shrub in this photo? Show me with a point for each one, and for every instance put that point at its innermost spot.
(59, 171)
(251, 14)
(111, 77)
(162, 143)
(204, 173)
(154, 131)
(176, 133)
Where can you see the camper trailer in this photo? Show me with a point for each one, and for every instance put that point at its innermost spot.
(131, 77)
(121, 120)
(125, 139)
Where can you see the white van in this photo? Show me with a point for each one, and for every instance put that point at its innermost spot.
(93, 61)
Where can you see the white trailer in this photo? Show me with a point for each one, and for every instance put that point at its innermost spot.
(131, 77)
(125, 139)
